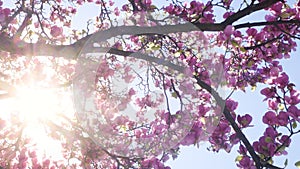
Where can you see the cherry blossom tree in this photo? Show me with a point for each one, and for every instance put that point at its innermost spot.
(147, 79)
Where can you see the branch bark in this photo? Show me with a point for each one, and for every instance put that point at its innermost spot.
(72, 51)
(220, 101)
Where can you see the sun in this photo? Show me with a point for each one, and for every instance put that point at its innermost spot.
(36, 107)
(39, 103)
(35, 104)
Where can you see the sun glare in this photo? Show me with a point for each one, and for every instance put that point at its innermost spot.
(38, 106)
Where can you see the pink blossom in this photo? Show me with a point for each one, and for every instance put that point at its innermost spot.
(128, 78)
(2, 18)
(56, 31)
(237, 33)
(79, 2)
(285, 140)
(242, 149)
(111, 3)
(46, 163)
(274, 71)
(244, 120)
(276, 8)
(227, 14)
(6, 11)
(294, 97)
(270, 118)
(270, 18)
(282, 118)
(282, 80)
(73, 10)
(125, 7)
(231, 104)
(154, 163)
(234, 139)
(294, 112)
(189, 139)
(266, 144)
(246, 162)
(116, 11)
(273, 104)
(271, 132)
(104, 70)
(202, 110)
(268, 92)
(131, 92)
(251, 31)
(228, 31)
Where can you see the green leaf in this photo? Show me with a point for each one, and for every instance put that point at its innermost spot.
(280, 106)
(270, 161)
(174, 94)
(243, 49)
(285, 15)
(152, 7)
(250, 63)
(297, 164)
(177, 54)
(294, 125)
(234, 43)
(253, 88)
(238, 158)
(155, 47)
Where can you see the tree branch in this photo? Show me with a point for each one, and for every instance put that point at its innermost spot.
(253, 24)
(220, 101)
(71, 51)
(248, 10)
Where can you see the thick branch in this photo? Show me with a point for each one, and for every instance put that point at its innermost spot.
(254, 24)
(248, 10)
(71, 51)
(139, 55)
(220, 101)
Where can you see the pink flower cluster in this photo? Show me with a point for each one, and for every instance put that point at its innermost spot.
(154, 163)
(194, 135)
(4, 13)
(139, 5)
(281, 116)
(195, 11)
(223, 136)
(56, 31)
(269, 144)
(242, 68)
(246, 162)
